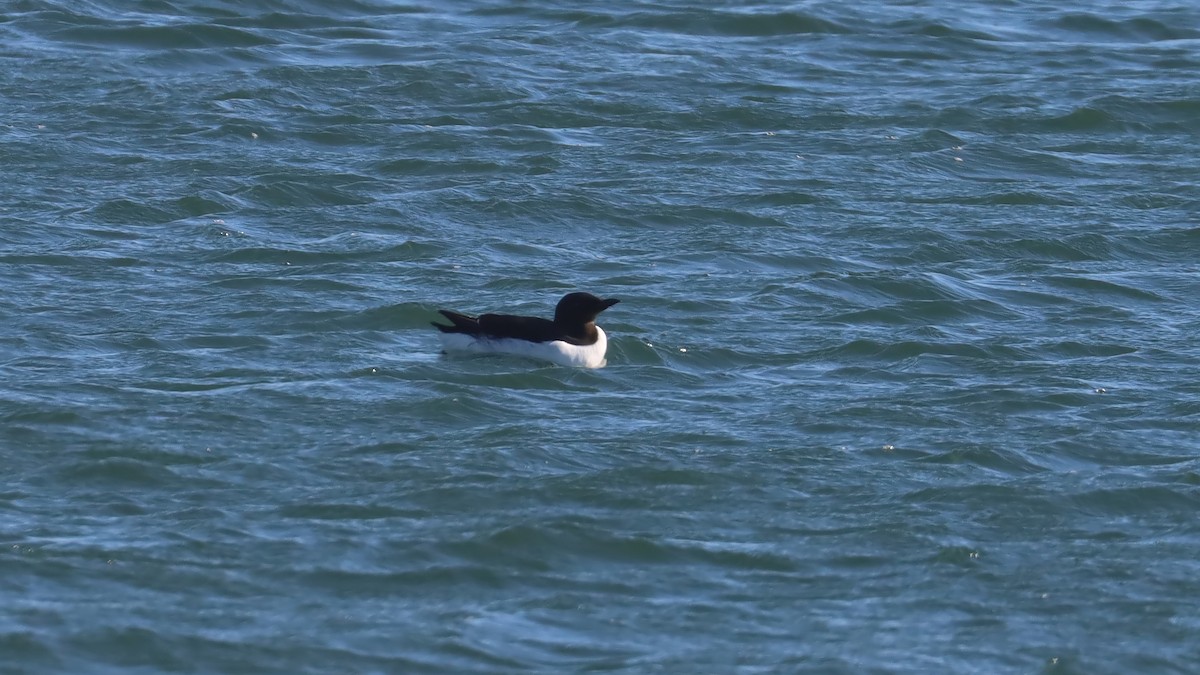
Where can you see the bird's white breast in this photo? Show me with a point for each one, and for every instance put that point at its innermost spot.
(556, 351)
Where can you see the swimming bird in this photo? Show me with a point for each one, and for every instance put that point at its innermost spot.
(571, 339)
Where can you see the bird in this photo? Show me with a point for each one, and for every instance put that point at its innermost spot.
(571, 339)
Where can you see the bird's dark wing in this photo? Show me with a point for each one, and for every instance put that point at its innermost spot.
(528, 328)
(519, 327)
(462, 323)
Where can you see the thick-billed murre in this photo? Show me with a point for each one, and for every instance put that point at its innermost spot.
(571, 339)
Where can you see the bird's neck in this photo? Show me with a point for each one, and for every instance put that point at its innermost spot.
(581, 331)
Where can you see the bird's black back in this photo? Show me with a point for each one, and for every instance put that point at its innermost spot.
(574, 322)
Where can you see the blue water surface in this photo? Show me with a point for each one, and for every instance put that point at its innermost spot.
(903, 379)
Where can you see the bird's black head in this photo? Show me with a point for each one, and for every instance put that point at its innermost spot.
(580, 308)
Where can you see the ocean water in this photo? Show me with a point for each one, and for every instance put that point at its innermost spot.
(903, 379)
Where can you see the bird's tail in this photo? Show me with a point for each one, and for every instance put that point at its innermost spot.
(462, 323)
